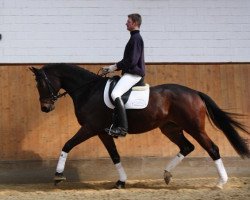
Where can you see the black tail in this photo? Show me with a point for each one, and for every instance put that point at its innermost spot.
(228, 125)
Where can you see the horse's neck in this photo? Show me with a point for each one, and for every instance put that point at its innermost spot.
(74, 83)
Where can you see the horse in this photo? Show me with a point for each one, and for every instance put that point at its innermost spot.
(173, 108)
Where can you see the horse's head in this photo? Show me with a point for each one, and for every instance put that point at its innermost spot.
(48, 86)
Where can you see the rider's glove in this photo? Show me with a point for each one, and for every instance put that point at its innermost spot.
(108, 69)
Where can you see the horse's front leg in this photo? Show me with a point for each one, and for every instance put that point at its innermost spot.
(82, 135)
(109, 143)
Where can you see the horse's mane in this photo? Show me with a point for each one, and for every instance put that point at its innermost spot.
(70, 69)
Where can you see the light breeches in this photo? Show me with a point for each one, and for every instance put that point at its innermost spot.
(124, 84)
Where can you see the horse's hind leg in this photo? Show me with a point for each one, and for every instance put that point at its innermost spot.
(202, 138)
(175, 134)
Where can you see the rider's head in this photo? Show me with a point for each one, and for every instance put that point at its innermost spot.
(134, 22)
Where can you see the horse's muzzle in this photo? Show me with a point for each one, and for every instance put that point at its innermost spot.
(45, 107)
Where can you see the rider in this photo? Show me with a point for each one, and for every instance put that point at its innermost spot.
(133, 70)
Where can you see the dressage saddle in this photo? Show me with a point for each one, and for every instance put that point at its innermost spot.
(125, 96)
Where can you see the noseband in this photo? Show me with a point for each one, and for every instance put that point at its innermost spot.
(53, 96)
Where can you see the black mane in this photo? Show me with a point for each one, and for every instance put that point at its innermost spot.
(70, 69)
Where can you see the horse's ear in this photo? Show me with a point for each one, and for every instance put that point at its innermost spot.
(33, 69)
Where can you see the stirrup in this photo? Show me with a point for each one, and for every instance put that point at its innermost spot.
(118, 132)
(111, 132)
(108, 130)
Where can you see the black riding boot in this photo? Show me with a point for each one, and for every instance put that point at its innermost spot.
(121, 127)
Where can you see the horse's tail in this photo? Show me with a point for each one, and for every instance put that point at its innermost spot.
(227, 124)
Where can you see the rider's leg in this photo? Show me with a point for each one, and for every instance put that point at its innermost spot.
(121, 127)
(123, 85)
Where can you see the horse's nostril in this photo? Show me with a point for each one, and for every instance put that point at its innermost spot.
(45, 109)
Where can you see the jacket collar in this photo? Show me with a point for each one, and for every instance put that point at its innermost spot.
(134, 32)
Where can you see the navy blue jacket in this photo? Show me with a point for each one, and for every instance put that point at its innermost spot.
(133, 57)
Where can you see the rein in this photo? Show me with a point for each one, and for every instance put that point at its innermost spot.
(55, 96)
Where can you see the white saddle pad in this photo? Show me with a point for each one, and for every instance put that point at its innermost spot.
(138, 98)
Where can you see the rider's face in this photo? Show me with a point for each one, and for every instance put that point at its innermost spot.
(131, 26)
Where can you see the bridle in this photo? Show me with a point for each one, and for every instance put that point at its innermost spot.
(54, 96)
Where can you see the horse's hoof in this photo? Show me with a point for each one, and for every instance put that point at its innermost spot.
(120, 185)
(220, 185)
(56, 182)
(167, 177)
(58, 178)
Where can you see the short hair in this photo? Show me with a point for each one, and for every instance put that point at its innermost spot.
(136, 18)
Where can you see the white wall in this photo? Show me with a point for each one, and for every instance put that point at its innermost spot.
(94, 31)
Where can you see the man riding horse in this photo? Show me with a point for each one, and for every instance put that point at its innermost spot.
(133, 70)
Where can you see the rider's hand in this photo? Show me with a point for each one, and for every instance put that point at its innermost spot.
(108, 69)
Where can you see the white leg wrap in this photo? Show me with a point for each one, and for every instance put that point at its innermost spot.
(122, 174)
(61, 162)
(222, 173)
(174, 162)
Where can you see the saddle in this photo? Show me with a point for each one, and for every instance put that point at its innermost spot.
(126, 95)
(136, 98)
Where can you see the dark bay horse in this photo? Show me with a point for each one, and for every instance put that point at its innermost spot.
(172, 108)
